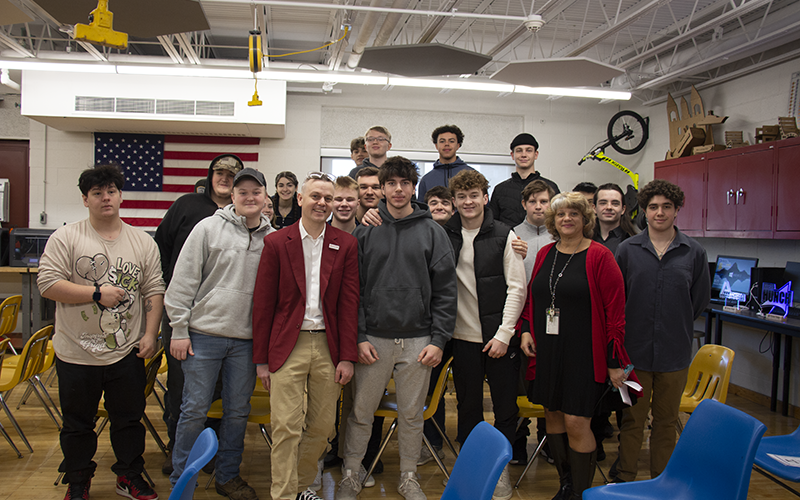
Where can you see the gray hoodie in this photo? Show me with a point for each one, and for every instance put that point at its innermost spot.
(211, 291)
(408, 278)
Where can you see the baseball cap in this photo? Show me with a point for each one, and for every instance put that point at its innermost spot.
(252, 174)
(232, 163)
(524, 139)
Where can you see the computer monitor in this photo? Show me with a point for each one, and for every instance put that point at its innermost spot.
(731, 279)
(792, 274)
(26, 246)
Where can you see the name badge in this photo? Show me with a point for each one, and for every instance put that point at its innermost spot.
(552, 321)
(333, 247)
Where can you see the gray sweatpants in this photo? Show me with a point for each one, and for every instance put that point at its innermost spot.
(398, 358)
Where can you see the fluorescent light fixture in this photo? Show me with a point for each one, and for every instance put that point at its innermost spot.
(184, 71)
(574, 92)
(451, 84)
(322, 77)
(52, 66)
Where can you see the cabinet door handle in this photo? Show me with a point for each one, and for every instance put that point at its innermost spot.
(729, 194)
(739, 193)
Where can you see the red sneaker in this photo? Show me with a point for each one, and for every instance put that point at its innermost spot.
(78, 491)
(135, 487)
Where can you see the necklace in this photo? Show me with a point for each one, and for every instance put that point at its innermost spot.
(660, 253)
(552, 270)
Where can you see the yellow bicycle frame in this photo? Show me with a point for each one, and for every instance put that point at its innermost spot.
(600, 156)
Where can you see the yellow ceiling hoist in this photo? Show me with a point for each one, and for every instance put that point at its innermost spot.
(256, 63)
(100, 29)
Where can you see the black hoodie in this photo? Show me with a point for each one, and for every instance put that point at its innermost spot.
(181, 218)
(408, 278)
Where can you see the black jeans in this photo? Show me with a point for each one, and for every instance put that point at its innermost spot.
(470, 365)
(80, 388)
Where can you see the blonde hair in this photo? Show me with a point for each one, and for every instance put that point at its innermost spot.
(573, 200)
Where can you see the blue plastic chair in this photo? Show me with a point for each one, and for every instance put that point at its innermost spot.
(479, 465)
(203, 450)
(789, 445)
(712, 460)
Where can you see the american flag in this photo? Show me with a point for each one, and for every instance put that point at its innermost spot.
(160, 168)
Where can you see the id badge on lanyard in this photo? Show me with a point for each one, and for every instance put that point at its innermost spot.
(552, 320)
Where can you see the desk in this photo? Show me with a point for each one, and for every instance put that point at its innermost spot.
(789, 329)
(31, 300)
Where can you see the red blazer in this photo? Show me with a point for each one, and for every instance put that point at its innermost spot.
(279, 298)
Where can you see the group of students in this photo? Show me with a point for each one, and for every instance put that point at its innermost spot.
(318, 305)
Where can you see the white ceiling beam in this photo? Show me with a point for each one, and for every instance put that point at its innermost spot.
(169, 48)
(15, 45)
(92, 50)
(188, 50)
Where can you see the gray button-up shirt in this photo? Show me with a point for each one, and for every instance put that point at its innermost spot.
(664, 297)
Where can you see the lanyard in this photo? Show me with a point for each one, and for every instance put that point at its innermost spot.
(552, 270)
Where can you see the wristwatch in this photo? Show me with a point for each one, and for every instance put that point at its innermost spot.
(96, 295)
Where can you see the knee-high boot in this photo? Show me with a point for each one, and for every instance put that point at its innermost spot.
(559, 446)
(582, 466)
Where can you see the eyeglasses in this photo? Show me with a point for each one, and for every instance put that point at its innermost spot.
(378, 139)
(320, 176)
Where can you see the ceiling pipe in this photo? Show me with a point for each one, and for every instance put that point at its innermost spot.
(390, 23)
(363, 34)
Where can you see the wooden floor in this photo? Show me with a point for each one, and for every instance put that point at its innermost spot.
(32, 477)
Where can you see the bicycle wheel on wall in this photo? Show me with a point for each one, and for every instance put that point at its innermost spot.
(628, 132)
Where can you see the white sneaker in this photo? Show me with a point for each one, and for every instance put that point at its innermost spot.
(409, 487)
(370, 482)
(425, 455)
(349, 486)
(317, 484)
(503, 490)
(309, 494)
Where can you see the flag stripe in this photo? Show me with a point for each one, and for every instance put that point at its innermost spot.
(195, 172)
(200, 155)
(141, 221)
(172, 188)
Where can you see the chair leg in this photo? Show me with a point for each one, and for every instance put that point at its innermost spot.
(211, 478)
(8, 438)
(59, 478)
(436, 457)
(24, 398)
(32, 385)
(773, 478)
(264, 433)
(51, 378)
(155, 435)
(380, 451)
(101, 426)
(445, 438)
(530, 462)
(14, 422)
(49, 398)
(149, 480)
(158, 400)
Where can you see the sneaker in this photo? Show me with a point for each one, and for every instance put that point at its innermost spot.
(236, 489)
(309, 494)
(317, 484)
(409, 487)
(425, 455)
(349, 486)
(78, 491)
(166, 467)
(135, 487)
(503, 489)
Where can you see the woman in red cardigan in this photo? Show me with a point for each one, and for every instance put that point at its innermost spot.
(576, 311)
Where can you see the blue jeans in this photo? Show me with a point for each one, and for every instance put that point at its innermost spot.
(235, 358)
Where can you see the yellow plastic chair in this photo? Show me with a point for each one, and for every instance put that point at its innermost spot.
(709, 377)
(3, 345)
(36, 380)
(388, 408)
(30, 362)
(531, 411)
(260, 413)
(9, 310)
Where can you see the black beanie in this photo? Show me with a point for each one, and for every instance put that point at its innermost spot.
(524, 139)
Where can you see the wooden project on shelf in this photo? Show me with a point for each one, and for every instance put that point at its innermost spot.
(691, 127)
(735, 139)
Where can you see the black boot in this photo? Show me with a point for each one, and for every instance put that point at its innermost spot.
(582, 466)
(559, 446)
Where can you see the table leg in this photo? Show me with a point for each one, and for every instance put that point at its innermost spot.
(776, 364)
(718, 331)
(709, 319)
(787, 367)
(26, 305)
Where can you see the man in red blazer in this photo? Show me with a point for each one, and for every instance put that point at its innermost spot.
(305, 328)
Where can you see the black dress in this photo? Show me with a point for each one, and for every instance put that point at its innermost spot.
(564, 365)
(292, 217)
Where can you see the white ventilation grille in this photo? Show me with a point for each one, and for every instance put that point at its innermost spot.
(101, 104)
(153, 106)
(174, 107)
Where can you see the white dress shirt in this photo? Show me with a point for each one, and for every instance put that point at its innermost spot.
(312, 256)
